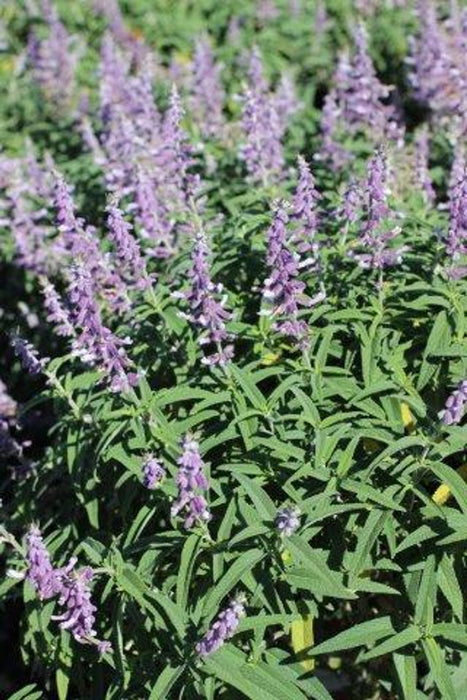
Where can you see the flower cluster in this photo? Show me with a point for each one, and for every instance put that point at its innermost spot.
(206, 313)
(437, 62)
(153, 473)
(28, 355)
(261, 127)
(282, 291)
(191, 482)
(57, 313)
(376, 233)
(456, 241)
(95, 343)
(356, 103)
(54, 61)
(207, 92)
(40, 573)
(288, 520)
(70, 585)
(455, 405)
(223, 628)
(305, 213)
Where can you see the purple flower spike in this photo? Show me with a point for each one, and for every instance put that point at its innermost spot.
(79, 615)
(331, 151)
(153, 473)
(28, 355)
(376, 232)
(261, 126)
(288, 520)
(54, 61)
(175, 157)
(206, 313)
(95, 344)
(455, 405)
(223, 628)
(40, 571)
(285, 101)
(456, 241)
(191, 480)
(152, 214)
(432, 62)
(357, 103)
(283, 292)
(128, 253)
(352, 203)
(57, 313)
(422, 173)
(305, 212)
(208, 93)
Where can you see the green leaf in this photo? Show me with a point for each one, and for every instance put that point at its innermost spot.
(406, 668)
(187, 561)
(233, 575)
(426, 596)
(437, 340)
(64, 666)
(364, 634)
(450, 587)
(29, 692)
(165, 682)
(398, 641)
(315, 573)
(451, 632)
(265, 507)
(439, 669)
(254, 680)
(366, 539)
(245, 380)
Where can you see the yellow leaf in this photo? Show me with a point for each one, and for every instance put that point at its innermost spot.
(407, 418)
(270, 358)
(303, 638)
(443, 492)
(286, 557)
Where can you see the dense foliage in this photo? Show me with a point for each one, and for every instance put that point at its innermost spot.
(233, 261)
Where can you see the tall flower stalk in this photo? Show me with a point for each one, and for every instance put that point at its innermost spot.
(206, 312)
(191, 484)
(283, 293)
(376, 230)
(262, 151)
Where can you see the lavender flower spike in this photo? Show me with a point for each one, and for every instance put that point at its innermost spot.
(208, 94)
(75, 596)
(262, 151)
(28, 355)
(206, 312)
(282, 291)
(127, 248)
(95, 343)
(223, 628)
(191, 480)
(288, 520)
(422, 173)
(456, 243)
(153, 473)
(305, 211)
(455, 405)
(40, 571)
(376, 231)
(57, 313)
